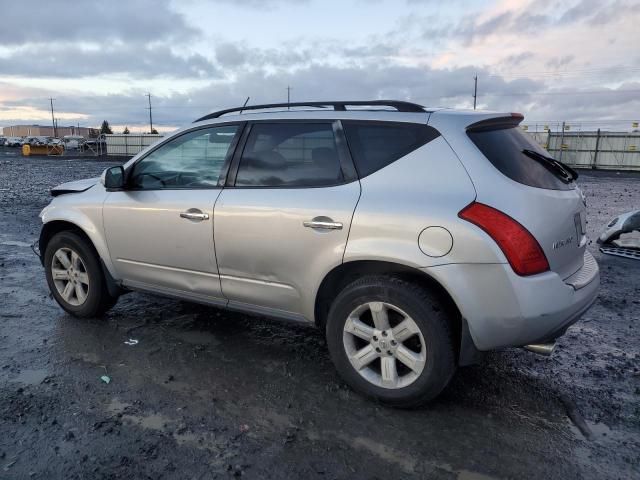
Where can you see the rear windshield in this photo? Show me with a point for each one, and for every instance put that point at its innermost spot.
(505, 147)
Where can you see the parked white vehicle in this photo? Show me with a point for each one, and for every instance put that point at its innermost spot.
(14, 141)
(36, 141)
(72, 142)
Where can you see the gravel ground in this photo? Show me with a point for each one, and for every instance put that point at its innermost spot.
(211, 394)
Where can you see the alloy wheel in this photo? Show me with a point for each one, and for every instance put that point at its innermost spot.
(384, 345)
(70, 276)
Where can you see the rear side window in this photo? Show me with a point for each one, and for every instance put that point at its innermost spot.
(290, 155)
(374, 145)
(505, 147)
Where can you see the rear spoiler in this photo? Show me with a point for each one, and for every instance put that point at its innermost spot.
(497, 123)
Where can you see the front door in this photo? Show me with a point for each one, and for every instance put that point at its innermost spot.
(159, 230)
(285, 220)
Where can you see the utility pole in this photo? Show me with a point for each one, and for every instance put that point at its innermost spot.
(288, 96)
(561, 141)
(150, 117)
(595, 154)
(53, 120)
(475, 90)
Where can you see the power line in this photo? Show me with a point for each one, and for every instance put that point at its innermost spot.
(568, 92)
(581, 72)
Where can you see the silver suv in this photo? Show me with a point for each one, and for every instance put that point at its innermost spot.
(415, 238)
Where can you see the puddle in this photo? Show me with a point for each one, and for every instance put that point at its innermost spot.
(388, 454)
(160, 423)
(31, 377)
(116, 406)
(406, 462)
(151, 422)
(467, 475)
(196, 337)
(87, 357)
(271, 420)
(599, 431)
(15, 243)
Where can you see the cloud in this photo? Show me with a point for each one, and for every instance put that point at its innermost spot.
(262, 4)
(231, 55)
(448, 87)
(518, 59)
(593, 104)
(534, 17)
(425, 51)
(559, 62)
(101, 22)
(69, 62)
(581, 10)
(237, 55)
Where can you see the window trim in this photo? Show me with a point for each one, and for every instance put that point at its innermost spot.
(344, 156)
(223, 172)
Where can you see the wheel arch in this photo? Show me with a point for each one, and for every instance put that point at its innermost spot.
(53, 227)
(340, 276)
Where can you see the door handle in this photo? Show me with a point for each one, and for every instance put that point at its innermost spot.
(193, 214)
(323, 224)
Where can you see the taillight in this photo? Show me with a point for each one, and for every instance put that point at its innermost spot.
(520, 247)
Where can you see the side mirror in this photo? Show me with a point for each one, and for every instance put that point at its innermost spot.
(113, 178)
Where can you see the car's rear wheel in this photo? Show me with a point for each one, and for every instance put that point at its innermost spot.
(391, 339)
(75, 276)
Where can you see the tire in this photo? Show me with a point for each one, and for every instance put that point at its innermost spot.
(429, 340)
(93, 298)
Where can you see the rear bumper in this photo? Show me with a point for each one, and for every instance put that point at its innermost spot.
(503, 309)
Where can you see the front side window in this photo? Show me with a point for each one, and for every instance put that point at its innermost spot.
(290, 155)
(193, 160)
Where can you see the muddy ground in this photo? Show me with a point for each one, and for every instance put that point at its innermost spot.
(210, 394)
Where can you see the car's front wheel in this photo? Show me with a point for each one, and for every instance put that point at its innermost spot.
(75, 276)
(391, 339)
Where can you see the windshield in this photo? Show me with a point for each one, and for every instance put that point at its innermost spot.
(520, 158)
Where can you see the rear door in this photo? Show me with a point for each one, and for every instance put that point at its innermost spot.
(283, 219)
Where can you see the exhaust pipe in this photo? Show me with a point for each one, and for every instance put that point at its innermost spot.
(545, 349)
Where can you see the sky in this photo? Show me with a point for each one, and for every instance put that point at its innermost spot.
(574, 60)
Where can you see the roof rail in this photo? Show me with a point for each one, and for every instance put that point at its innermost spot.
(399, 105)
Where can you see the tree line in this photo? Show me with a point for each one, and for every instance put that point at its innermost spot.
(105, 128)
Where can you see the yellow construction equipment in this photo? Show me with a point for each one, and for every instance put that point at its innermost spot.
(42, 150)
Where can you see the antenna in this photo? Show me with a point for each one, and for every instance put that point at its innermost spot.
(244, 105)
